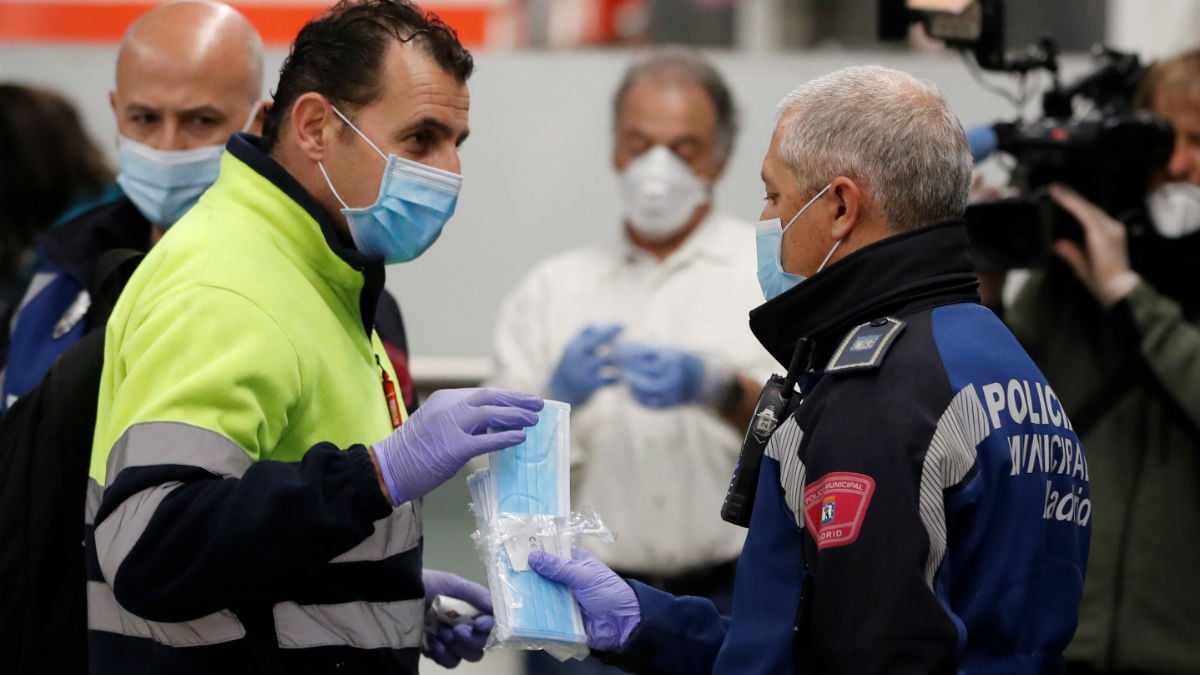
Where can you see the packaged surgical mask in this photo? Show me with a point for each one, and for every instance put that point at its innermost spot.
(660, 193)
(1175, 209)
(521, 502)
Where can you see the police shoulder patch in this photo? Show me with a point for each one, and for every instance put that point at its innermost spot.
(864, 347)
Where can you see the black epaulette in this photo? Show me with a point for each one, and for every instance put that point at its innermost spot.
(865, 346)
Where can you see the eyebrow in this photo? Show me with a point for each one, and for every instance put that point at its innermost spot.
(683, 138)
(188, 112)
(201, 110)
(434, 124)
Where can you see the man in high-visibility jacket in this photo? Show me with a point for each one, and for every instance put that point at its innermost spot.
(238, 519)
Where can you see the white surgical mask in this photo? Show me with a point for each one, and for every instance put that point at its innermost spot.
(660, 193)
(1175, 209)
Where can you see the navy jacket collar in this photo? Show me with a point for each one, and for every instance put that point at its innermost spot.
(914, 270)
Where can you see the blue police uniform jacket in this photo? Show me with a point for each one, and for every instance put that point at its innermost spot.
(53, 314)
(924, 506)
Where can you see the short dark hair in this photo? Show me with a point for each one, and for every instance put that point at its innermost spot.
(687, 65)
(340, 55)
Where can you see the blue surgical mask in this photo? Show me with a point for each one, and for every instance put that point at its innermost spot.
(772, 278)
(415, 200)
(165, 184)
(532, 480)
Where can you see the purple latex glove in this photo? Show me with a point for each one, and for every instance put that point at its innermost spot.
(583, 368)
(446, 432)
(609, 606)
(445, 644)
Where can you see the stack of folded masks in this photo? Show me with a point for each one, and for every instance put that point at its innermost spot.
(521, 502)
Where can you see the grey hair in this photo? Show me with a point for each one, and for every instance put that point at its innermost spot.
(886, 129)
(679, 64)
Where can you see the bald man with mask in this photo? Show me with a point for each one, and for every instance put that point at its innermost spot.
(189, 75)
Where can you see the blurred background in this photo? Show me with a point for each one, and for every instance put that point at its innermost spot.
(538, 176)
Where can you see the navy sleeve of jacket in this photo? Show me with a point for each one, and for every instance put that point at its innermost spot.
(677, 635)
(218, 542)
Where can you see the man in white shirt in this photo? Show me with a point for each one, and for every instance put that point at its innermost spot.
(647, 336)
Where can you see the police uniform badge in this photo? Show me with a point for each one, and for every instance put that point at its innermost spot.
(864, 347)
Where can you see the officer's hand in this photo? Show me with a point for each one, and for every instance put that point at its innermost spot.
(453, 426)
(662, 377)
(1103, 263)
(448, 644)
(608, 605)
(586, 364)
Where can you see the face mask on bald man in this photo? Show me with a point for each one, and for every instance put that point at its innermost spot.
(165, 184)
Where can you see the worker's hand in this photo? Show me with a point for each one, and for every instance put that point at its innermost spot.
(453, 426)
(609, 606)
(586, 364)
(662, 377)
(448, 644)
(1103, 263)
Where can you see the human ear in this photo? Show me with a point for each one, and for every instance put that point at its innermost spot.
(312, 125)
(850, 203)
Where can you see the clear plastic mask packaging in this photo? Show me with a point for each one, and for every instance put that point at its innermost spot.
(522, 501)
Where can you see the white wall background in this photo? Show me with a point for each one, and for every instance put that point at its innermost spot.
(537, 170)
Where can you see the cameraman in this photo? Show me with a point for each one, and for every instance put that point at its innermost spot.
(1115, 325)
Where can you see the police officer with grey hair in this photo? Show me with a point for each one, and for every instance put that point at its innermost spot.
(923, 506)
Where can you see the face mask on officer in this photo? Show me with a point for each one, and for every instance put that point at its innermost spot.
(772, 278)
(1175, 209)
(415, 200)
(165, 184)
(660, 193)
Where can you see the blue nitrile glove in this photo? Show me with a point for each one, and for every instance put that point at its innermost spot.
(446, 644)
(582, 370)
(609, 606)
(663, 377)
(447, 431)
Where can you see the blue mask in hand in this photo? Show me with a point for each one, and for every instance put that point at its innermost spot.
(772, 278)
(162, 184)
(415, 200)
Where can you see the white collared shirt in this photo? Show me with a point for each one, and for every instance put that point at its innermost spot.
(656, 477)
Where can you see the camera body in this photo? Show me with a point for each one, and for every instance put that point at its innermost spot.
(1107, 154)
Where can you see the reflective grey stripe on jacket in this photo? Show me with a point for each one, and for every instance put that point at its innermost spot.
(91, 501)
(365, 625)
(156, 444)
(159, 443)
(121, 530)
(105, 614)
(784, 447)
(397, 533)
(948, 460)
